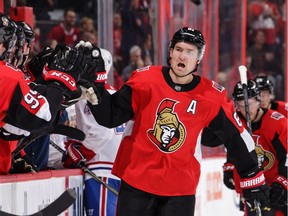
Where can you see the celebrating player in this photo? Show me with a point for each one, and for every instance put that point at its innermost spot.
(158, 160)
(269, 130)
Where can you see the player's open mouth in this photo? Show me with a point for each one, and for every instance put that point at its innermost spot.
(181, 65)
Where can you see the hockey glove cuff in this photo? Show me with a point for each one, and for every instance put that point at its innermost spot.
(76, 154)
(228, 175)
(256, 194)
(278, 192)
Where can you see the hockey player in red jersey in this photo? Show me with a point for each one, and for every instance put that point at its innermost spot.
(23, 110)
(158, 160)
(269, 129)
(265, 87)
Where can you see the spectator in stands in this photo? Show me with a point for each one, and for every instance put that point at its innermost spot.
(264, 15)
(117, 57)
(51, 43)
(257, 52)
(136, 61)
(86, 24)
(66, 32)
(117, 38)
(36, 43)
(92, 38)
(148, 53)
(132, 28)
(41, 8)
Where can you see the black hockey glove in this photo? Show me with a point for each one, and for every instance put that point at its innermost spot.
(278, 192)
(256, 195)
(94, 74)
(20, 166)
(64, 67)
(95, 66)
(228, 175)
(33, 70)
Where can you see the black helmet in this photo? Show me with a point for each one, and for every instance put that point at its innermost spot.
(252, 91)
(28, 31)
(20, 36)
(7, 32)
(189, 35)
(264, 83)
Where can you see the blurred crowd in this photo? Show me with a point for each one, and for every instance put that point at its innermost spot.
(71, 21)
(266, 21)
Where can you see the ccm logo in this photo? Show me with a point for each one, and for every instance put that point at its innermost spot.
(282, 180)
(65, 77)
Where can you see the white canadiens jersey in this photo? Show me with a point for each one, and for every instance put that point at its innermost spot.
(103, 141)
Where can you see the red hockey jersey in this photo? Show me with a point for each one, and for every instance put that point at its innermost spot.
(160, 153)
(280, 106)
(270, 137)
(22, 107)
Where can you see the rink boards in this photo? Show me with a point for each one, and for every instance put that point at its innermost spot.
(28, 193)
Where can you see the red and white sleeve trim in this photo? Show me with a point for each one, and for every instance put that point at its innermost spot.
(255, 181)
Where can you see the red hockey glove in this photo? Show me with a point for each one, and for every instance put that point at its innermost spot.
(76, 154)
(278, 192)
(228, 175)
(256, 194)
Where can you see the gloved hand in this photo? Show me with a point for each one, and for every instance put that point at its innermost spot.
(33, 70)
(256, 195)
(20, 166)
(76, 154)
(92, 79)
(73, 98)
(228, 175)
(64, 67)
(278, 192)
(95, 66)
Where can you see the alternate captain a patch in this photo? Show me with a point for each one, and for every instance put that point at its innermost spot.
(168, 133)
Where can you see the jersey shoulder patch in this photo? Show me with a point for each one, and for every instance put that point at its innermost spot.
(217, 86)
(146, 68)
(276, 115)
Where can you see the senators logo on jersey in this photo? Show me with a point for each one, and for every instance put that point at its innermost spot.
(168, 133)
(265, 158)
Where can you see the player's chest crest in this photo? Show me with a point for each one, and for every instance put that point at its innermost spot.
(265, 158)
(168, 132)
